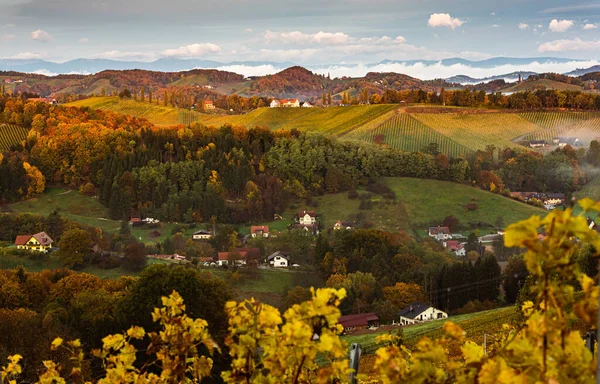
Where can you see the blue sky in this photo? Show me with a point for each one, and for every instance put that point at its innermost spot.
(303, 32)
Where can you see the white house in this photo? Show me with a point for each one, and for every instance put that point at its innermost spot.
(420, 312)
(306, 104)
(275, 103)
(278, 260)
(202, 235)
(259, 230)
(440, 233)
(307, 217)
(290, 103)
(342, 225)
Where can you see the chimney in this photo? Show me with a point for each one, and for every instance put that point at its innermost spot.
(411, 308)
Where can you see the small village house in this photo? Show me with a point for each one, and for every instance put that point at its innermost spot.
(307, 217)
(135, 219)
(202, 235)
(40, 242)
(259, 231)
(275, 103)
(290, 103)
(306, 104)
(456, 247)
(537, 143)
(420, 312)
(239, 256)
(347, 225)
(278, 260)
(208, 105)
(360, 321)
(440, 233)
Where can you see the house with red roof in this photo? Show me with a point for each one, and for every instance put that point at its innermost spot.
(259, 231)
(360, 321)
(40, 242)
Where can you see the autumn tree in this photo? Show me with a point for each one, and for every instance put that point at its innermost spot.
(74, 246)
(135, 256)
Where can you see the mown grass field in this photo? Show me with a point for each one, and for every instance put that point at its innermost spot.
(422, 202)
(11, 135)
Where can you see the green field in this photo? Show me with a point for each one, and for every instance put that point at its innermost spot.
(423, 202)
(11, 135)
(475, 324)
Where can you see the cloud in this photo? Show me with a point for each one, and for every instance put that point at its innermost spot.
(28, 56)
(523, 26)
(495, 26)
(590, 26)
(41, 35)
(193, 50)
(444, 20)
(246, 70)
(560, 26)
(297, 37)
(400, 40)
(569, 45)
(84, 40)
(248, 30)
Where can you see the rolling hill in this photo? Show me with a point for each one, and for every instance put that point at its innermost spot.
(542, 84)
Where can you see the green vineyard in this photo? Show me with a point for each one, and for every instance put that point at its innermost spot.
(408, 134)
(11, 135)
(558, 119)
(478, 130)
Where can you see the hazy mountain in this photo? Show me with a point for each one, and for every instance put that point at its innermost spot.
(584, 71)
(508, 77)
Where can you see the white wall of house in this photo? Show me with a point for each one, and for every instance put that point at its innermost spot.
(430, 313)
(307, 219)
(279, 262)
(201, 237)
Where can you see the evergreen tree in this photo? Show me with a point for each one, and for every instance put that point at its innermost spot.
(150, 95)
(324, 99)
(166, 98)
(142, 94)
(329, 98)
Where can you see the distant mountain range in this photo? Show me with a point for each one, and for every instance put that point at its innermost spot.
(508, 77)
(584, 71)
(463, 67)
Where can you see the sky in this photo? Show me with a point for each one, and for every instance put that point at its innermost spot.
(302, 32)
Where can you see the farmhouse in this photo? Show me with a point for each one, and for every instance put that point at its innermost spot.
(307, 217)
(275, 103)
(39, 242)
(202, 235)
(308, 228)
(290, 103)
(343, 225)
(239, 256)
(47, 100)
(208, 105)
(259, 230)
(360, 321)
(135, 219)
(537, 143)
(456, 247)
(420, 312)
(306, 104)
(278, 260)
(572, 141)
(440, 233)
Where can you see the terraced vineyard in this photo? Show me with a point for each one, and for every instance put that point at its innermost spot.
(11, 135)
(476, 131)
(406, 133)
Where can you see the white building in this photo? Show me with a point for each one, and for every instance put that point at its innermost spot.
(440, 233)
(307, 217)
(420, 312)
(278, 260)
(275, 103)
(202, 235)
(306, 104)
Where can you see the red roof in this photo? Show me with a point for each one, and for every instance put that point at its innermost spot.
(206, 102)
(285, 101)
(22, 239)
(452, 244)
(310, 213)
(259, 228)
(362, 319)
(225, 255)
(43, 238)
(207, 259)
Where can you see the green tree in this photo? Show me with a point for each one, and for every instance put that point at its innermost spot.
(135, 256)
(73, 247)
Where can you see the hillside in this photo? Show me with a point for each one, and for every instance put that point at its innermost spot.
(11, 135)
(542, 84)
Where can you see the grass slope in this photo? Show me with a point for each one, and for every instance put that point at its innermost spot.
(422, 202)
(548, 84)
(476, 131)
(11, 135)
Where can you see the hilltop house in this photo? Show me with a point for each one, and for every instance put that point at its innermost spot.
(279, 260)
(420, 312)
(39, 242)
(307, 217)
(208, 105)
(440, 233)
(306, 104)
(202, 235)
(275, 103)
(360, 321)
(290, 103)
(259, 230)
(456, 247)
